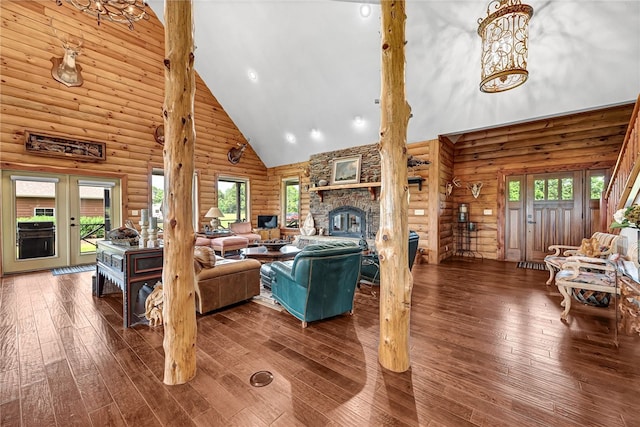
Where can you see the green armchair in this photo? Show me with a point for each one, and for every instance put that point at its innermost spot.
(319, 282)
(370, 270)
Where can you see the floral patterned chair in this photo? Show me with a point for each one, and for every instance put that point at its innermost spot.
(608, 244)
(589, 276)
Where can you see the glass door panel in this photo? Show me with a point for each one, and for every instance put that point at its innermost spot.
(92, 213)
(33, 215)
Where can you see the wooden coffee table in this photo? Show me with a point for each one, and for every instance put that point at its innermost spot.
(262, 254)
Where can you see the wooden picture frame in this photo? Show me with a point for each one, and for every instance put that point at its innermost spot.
(346, 170)
(59, 146)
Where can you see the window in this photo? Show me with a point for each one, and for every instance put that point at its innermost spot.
(553, 189)
(233, 200)
(552, 194)
(291, 201)
(596, 187)
(157, 197)
(514, 191)
(539, 187)
(567, 188)
(44, 212)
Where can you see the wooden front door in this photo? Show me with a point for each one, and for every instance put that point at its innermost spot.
(554, 212)
(559, 208)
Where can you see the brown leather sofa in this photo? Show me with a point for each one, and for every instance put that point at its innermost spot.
(227, 282)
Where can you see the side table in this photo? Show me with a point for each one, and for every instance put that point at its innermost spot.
(130, 268)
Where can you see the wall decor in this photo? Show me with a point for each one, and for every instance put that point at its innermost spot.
(346, 170)
(158, 134)
(65, 70)
(475, 188)
(76, 149)
(235, 153)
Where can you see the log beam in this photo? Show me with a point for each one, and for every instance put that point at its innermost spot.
(396, 281)
(178, 275)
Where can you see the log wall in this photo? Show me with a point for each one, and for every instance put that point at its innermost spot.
(587, 140)
(120, 103)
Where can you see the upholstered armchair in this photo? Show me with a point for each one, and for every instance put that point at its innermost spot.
(370, 271)
(244, 229)
(319, 282)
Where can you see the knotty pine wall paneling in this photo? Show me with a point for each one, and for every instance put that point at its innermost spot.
(119, 103)
(580, 141)
(424, 224)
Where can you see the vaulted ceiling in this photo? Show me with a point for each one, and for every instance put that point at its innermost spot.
(316, 65)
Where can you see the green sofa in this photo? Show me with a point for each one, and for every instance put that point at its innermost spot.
(319, 282)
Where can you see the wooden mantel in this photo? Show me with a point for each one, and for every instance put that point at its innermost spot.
(371, 186)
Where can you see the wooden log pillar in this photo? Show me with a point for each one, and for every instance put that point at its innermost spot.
(178, 275)
(396, 281)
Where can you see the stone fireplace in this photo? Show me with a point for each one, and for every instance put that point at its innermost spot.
(346, 212)
(348, 221)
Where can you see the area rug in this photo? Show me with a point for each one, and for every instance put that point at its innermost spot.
(532, 265)
(266, 299)
(73, 269)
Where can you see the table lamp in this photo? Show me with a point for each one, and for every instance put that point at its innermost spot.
(214, 213)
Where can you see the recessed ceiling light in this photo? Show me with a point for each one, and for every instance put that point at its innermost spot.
(291, 138)
(253, 76)
(316, 134)
(365, 10)
(358, 121)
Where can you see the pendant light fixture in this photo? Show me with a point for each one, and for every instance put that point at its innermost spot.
(505, 33)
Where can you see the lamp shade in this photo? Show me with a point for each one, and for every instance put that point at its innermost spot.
(214, 212)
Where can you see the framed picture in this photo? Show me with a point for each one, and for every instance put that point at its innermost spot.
(346, 170)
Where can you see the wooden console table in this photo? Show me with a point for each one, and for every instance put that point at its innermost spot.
(130, 268)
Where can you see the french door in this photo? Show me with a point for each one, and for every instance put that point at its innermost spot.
(54, 220)
(547, 209)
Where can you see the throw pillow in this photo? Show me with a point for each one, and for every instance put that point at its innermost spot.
(205, 255)
(590, 247)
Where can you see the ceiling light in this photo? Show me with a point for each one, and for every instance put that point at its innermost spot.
(316, 134)
(504, 32)
(365, 10)
(253, 76)
(123, 11)
(358, 121)
(291, 138)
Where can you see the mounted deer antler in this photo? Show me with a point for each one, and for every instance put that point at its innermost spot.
(456, 181)
(475, 189)
(65, 70)
(235, 153)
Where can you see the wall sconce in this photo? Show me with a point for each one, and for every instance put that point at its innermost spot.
(504, 32)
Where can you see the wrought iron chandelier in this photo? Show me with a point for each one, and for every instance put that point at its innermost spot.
(505, 33)
(122, 11)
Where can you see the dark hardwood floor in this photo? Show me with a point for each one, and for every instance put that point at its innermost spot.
(487, 349)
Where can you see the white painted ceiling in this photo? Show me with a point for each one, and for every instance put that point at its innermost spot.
(318, 67)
